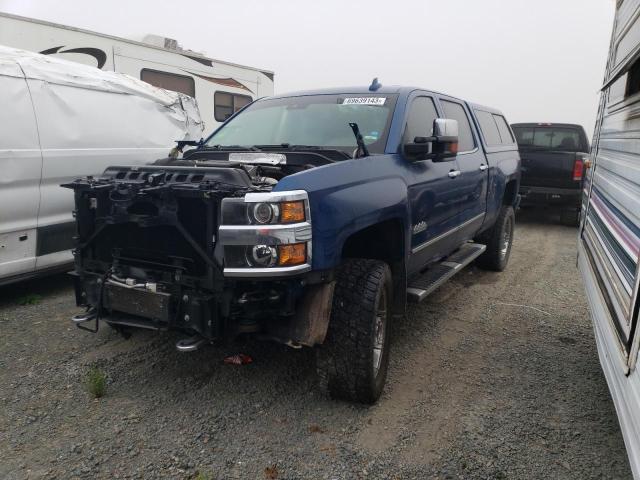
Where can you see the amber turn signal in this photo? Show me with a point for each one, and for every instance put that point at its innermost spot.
(292, 254)
(292, 212)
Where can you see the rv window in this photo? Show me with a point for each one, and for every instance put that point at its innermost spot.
(633, 79)
(226, 104)
(169, 81)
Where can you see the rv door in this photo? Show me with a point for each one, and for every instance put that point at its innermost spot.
(20, 170)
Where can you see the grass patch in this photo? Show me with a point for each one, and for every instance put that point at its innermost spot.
(203, 476)
(29, 299)
(96, 382)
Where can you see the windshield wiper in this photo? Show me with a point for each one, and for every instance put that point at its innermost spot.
(291, 147)
(223, 148)
(362, 148)
(300, 148)
(315, 149)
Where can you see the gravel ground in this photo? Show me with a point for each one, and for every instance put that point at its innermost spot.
(493, 376)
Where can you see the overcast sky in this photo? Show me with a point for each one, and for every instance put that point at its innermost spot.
(536, 60)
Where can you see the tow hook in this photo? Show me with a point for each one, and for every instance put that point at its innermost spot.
(89, 315)
(191, 344)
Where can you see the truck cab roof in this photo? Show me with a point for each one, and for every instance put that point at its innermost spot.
(402, 91)
(361, 90)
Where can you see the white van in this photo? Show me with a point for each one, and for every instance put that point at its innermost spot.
(61, 120)
(609, 244)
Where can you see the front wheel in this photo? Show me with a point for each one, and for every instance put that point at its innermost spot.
(352, 363)
(498, 241)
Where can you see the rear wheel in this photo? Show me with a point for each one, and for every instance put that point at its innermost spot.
(498, 241)
(352, 363)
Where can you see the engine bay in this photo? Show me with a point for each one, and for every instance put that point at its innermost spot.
(147, 252)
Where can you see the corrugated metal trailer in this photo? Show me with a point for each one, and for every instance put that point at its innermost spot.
(609, 242)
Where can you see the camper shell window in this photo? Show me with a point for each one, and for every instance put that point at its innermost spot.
(226, 104)
(169, 81)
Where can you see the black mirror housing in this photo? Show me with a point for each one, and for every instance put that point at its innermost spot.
(442, 146)
(418, 149)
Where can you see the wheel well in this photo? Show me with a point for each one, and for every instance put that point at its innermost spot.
(510, 193)
(383, 241)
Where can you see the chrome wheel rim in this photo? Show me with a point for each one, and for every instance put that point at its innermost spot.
(506, 238)
(379, 332)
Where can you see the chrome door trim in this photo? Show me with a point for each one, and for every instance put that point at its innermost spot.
(428, 243)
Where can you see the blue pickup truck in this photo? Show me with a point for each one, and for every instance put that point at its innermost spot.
(309, 218)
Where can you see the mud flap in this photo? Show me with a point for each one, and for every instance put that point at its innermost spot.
(308, 326)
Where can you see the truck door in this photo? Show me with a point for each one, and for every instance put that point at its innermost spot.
(433, 196)
(20, 164)
(472, 184)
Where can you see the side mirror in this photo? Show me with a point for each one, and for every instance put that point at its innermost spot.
(441, 146)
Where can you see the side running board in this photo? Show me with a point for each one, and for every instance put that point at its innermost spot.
(435, 276)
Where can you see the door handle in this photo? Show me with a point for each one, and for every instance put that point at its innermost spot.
(483, 167)
(454, 173)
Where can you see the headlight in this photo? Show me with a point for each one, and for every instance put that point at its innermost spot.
(237, 211)
(261, 256)
(264, 212)
(266, 234)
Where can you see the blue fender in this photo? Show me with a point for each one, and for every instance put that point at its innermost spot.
(349, 196)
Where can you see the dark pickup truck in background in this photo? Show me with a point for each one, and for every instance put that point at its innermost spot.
(553, 160)
(309, 219)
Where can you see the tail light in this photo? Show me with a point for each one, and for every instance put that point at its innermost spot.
(578, 169)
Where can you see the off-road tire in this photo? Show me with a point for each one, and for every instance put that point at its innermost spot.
(495, 257)
(570, 216)
(345, 361)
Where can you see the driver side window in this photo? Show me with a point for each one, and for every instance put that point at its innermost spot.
(422, 113)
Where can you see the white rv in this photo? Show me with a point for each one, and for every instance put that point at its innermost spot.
(62, 120)
(221, 88)
(609, 244)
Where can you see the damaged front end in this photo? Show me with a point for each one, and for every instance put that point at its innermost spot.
(208, 250)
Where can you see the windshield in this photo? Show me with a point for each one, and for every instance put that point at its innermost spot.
(549, 138)
(311, 120)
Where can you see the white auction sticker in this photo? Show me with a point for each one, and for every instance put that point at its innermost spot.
(364, 101)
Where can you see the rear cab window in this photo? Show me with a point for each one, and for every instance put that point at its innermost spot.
(494, 128)
(550, 137)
